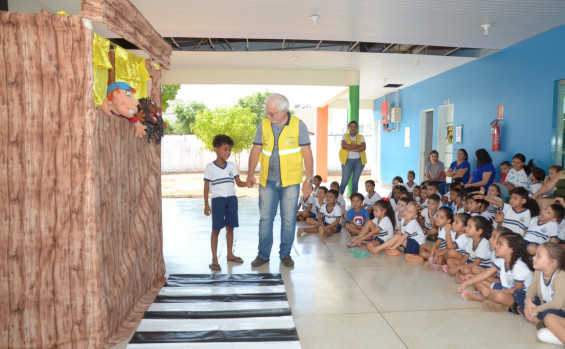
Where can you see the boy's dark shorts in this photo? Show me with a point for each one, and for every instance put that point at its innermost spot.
(224, 212)
(412, 246)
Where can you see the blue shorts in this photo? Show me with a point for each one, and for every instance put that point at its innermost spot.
(380, 241)
(338, 227)
(412, 246)
(497, 286)
(530, 243)
(224, 212)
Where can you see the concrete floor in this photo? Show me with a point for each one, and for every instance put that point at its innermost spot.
(339, 301)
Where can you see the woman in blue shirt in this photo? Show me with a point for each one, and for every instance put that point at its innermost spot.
(461, 167)
(484, 173)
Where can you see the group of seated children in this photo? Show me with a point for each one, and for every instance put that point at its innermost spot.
(502, 249)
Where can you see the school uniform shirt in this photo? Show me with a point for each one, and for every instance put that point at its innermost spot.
(534, 187)
(482, 252)
(427, 219)
(315, 192)
(540, 233)
(424, 204)
(460, 241)
(341, 202)
(386, 229)
(459, 209)
(318, 207)
(485, 214)
(331, 216)
(392, 203)
(515, 221)
(441, 236)
(414, 231)
(357, 217)
(370, 200)
(551, 294)
(410, 188)
(221, 179)
(518, 178)
(304, 203)
(492, 208)
(519, 272)
(561, 230)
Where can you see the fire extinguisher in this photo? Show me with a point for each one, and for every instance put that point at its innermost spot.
(495, 134)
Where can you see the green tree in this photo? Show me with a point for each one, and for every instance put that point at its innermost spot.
(170, 130)
(168, 93)
(255, 102)
(236, 122)
(186, 116)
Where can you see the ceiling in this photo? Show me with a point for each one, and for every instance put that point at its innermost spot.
(454, 23)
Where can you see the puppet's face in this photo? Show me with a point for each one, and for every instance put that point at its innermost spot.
(123, 103)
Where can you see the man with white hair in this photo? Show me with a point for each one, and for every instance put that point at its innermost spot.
(282, 145)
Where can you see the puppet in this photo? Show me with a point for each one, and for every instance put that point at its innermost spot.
(149, 114)
(121, 102)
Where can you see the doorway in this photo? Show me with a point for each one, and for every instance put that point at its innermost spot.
(445, 134)
(426, 140)
(560, 125)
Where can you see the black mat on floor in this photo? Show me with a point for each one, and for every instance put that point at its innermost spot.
(234, 310)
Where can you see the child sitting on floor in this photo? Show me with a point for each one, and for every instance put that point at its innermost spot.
(416, 194)
(409, 240)
(328, 222)
(426, 219)
(536, 178)
(423, 196)
(316, 185)
(319, 202)
(371, 198)
(516, 272)
(356, 216)
(455, 242)
(340, 199)
(477, 251)
(380, 229)
(410, 184)
(306, 208)
(443, 218)
(544, 227)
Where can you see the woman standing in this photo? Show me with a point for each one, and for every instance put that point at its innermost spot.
(484, 173)
(434, 168)
(352, 156)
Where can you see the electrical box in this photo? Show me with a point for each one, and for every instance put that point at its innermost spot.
(395, 114)
(384, 112)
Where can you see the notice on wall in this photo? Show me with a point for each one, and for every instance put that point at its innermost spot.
(449, 137)
(407, 137)
(459, 134)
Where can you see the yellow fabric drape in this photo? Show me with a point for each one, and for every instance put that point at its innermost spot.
(100, 51)
(130, 68)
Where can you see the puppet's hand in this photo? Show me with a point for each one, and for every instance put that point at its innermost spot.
(140, 130)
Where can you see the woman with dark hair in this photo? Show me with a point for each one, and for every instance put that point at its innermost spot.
(352, 157)
(434, 168)
(484, 173)
(460, 168)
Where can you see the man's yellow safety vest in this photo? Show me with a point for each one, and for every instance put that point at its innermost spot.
(290, 153)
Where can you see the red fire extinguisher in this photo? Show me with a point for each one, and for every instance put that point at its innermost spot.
(495, 135)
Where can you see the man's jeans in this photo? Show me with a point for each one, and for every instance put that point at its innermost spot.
(269, 198)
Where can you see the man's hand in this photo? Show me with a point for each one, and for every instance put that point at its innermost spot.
(306, 188)
(250, 180)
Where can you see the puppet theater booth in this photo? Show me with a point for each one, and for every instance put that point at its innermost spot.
(80, 196)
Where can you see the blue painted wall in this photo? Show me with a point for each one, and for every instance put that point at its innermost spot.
(523, 77)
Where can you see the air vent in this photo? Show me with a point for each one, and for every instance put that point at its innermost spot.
(392, 85)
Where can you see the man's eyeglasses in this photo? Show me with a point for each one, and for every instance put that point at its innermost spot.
(269, 114)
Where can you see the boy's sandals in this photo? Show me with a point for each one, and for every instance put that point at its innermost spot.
(235, 260)
(413, 258)
(359, 253)
(215, 267)
(392, 252)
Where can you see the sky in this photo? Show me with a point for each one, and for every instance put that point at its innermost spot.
(227, 95)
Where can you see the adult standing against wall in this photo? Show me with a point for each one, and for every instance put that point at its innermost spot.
(434, 168)
(282, 145)
(352, 157)
(484, 173)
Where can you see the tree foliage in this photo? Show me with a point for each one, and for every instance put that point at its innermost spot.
(186, 116)
(236, 122)
(256, 103)
(168, 93)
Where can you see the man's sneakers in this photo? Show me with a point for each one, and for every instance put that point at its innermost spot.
(259, 262)
(287, 261)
